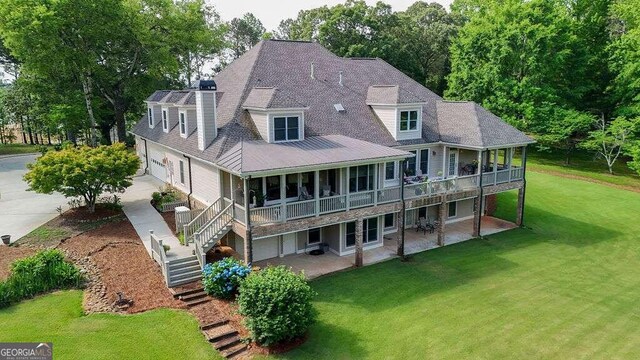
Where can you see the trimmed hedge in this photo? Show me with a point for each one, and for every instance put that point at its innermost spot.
(37, 274)
(222, 278)
(277, 305)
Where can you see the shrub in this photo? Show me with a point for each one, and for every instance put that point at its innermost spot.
(42, 272)
(277, 305)
(222, 278)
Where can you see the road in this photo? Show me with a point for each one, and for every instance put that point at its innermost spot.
(21, 211)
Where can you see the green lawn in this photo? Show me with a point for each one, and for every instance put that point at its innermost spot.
(57, 318)
(10, 149)
(567, 287)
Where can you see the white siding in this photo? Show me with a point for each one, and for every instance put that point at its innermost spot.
(261, 121)
(266, 248)
(206, 181)
(206, 118)
(464, 211)
(388, 117)
(412, 134)
(157, 115)
(436, 161)
(191, 121)
(156, 162)
(173, 167)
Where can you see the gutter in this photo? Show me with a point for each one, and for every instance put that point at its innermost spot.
(190, 179)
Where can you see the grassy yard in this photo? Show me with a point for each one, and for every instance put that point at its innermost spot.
(567, 287)
(583, 165)
(57, 318)
(10, 149)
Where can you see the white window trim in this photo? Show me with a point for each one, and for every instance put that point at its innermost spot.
(165, 119)
(455, 215)
(455, 169)
(150, 115)
(182, 175)
(380, 234)
(182, 114)
(271, 125)
(319, 241)
(418, 120)
(391, 229)
(419, 156)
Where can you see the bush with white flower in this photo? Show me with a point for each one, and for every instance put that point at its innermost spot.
(222, 278)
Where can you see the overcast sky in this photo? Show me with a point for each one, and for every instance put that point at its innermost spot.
(270, 12)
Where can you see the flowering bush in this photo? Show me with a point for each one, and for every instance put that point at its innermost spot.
(222, 278)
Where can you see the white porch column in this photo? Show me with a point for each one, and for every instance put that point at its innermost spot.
(283, 196)
(376, 181)
(445, 169)
(346, 189)
(316, 190)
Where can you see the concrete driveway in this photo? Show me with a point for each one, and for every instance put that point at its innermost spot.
(21, 211)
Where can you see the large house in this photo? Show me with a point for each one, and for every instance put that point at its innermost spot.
(292, 148)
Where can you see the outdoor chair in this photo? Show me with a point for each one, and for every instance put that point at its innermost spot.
(326, 191)
(304, 194)
(422, 225)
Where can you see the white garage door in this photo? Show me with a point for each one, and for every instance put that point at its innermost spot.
(265, 248)
(156, 167)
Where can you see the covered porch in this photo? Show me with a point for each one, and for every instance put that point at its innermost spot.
(415, 242)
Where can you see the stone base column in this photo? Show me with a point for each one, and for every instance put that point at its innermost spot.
(359, 244)
(401, 216)
(520, 209)
(477, 216)
(442, 216)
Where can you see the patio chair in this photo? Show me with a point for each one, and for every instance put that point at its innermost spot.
(304, 194)
(326, 191)
(422, 225)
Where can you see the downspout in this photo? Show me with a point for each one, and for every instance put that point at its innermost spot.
(249, 236)
(481, 201)
(524, 182)
(146, 156)
(190, 180)
(403, 209)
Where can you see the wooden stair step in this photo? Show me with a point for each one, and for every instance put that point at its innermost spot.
(226, 342)
(197, 301)
(234, 351)
(219, 333)
(192, 296)
(214, 324)
(179, 293)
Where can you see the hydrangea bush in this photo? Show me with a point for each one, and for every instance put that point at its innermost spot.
(222, 278)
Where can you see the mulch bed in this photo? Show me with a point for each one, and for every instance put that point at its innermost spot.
(170, 218)
(124, 266)
(8, 254)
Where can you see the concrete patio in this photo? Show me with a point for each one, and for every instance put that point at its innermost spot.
(415, 242)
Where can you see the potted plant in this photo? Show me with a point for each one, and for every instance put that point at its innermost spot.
(6, 239)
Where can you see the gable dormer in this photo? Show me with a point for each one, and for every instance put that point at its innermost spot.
(399, 110)
(187, 114)
(169, 109)
(277, 116)
(154, 108)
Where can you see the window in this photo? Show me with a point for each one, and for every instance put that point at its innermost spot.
(182, 172)
(424, 161)
(314, 236)
(308, 181)
(408, 120)
(150, 112)
(369, 231)
(361, 178)
(389, 221)
(453, 209)
(422, 212)
(410, 170)
(292, 185)
(183, 124)
(273, 187)
(256, 191)
(453, 163)
(286, 128)
(390, 171)
(165, 122)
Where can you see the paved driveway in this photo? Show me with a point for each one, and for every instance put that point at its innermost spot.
(21, 211)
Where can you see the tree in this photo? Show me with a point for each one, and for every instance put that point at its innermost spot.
(612, 139)
(565, 130)
(243, 33)
(83, 171)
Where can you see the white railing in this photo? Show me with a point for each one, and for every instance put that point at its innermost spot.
(464, 183)
(332, 204)
(502, 176)
(239, 213)
(488, 179)
(389, 194)
(200, 255)
(201, 219)
(300, 209)
(213, 227)
(360, 199)
(159, 255)
(173, 205)
(265, 215)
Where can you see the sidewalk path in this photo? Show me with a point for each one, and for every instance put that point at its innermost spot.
(143, 217)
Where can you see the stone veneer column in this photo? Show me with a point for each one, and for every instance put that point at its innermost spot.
(442, 216)
(520, 209)
(477, 216)
(401, 216)
(359, 243)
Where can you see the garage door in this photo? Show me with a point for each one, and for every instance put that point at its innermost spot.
(156, 166)
(265, 248)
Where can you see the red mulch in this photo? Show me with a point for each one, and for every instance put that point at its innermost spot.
(279, 348)
(170, 218)
(82, 214)
(125, 266)
(8, 254)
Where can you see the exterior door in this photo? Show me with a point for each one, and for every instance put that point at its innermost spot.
(453, 163)
(288, 244)
(156, 166)
(266, 248)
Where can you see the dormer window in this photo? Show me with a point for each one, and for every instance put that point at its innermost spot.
(165, 120)
(286, 128)
(408, 120)
(183, 124)
(150, 116)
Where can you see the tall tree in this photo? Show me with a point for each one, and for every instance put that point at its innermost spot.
(243, 33)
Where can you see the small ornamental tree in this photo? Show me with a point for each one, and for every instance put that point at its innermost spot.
(83, 171)
(277, 305)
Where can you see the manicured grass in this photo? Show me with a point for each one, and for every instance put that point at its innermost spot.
(568, 287)
(583, 164)
(57, 318)
(10, 149)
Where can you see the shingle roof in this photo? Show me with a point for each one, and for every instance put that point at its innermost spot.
(251, 157)
(189, 99)
(174, 96)
(390, 94)
(158, 95)
(278, 73)
(467, 123)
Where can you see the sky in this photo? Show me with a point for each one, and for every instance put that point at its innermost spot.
(271, 12)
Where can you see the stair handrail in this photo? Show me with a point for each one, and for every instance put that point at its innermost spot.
(200, 220)
(213, 227)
